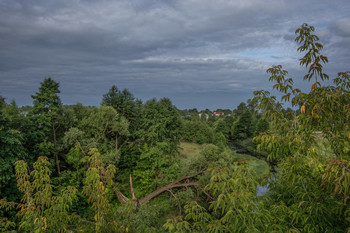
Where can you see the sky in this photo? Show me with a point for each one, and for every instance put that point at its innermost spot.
(199, 53)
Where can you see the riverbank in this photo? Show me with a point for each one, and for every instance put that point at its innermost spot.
(190, 151)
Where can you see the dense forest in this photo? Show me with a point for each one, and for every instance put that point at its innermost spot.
(129, 166)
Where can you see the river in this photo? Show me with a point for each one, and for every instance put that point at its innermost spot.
(260, 190)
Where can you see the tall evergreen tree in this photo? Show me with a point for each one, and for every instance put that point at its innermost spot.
(122, 101)
(46, 108)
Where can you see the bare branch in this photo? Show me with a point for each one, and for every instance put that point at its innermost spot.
(177, 200)
(174, 184)
(123, 199)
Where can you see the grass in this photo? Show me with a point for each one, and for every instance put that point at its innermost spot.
(323, 148)
(190, 151)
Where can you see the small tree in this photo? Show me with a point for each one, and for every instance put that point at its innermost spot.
(96, 190)
(234, 207)
(312, 186)
(40, 210)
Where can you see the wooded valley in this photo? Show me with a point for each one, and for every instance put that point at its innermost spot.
(129, 166)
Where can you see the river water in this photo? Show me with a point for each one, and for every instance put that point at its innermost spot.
(260, 190)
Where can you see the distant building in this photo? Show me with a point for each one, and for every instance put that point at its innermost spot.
(218, 113)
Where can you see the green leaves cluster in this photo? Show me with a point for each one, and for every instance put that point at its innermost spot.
(95, 188)
(41, 210)
(234, 208)
(312, 183)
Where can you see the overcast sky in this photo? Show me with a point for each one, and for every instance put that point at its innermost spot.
(199, 53)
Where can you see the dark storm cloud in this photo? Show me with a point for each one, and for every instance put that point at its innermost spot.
(185, 50)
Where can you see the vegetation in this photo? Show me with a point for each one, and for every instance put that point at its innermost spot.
(128, 166)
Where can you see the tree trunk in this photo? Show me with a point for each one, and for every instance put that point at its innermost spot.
(116, 143)
(56, 152)
(132, 190)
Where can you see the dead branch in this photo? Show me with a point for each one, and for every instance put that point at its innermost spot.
(177, 200)
(207, 194)
(123, 199)
(174, 184)
(132, 190)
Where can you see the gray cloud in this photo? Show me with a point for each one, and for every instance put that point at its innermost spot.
(185, 50)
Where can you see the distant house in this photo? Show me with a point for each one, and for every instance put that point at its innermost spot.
(218, 113)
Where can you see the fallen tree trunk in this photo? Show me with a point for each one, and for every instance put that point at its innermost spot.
(181, 182)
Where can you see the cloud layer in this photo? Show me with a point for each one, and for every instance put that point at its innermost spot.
(200, 53)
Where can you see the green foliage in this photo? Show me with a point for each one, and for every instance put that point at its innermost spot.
(7, 226)
(105, 126)
(300, 202)
(209, 156)
(155, 165)
(241, 108)
(125, 104)
(44, 114)
(11, 150)
(309, 43)
(242, 128)
(327, 109)
(234, 208)
(262, 126)
(311, 189)
(2, 102)
(197, 131)
(324, 108)
(95, 190)
(221, 127)
(47, 100)
(220, 140)
(40, 210)
(309, 192)
(160, 123)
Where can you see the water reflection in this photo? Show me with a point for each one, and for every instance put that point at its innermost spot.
(262, 190)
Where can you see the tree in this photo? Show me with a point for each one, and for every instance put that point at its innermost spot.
(261, 126)
(241, 108)
(310, 190)
(2, 102)
(160, 123)
(234, 206)
(47, 100)
(221, 127)
(46, 107)
(12, 149)
(242, 128)
(105, 126)
(95, 188)
(39, 208)
(125, 104)
(312, 186)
